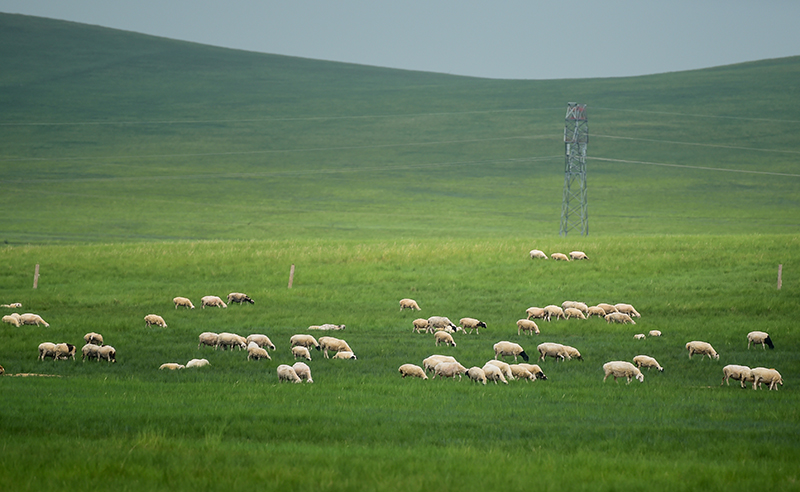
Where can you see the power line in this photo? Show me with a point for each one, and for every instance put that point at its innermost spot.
(697, 144)
(704, 168)
(746, 118)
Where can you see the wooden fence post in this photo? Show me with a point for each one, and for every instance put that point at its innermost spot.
(780, 271)
(291, 276)
(36, 276)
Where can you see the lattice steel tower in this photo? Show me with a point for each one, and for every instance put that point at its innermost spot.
(576, 137)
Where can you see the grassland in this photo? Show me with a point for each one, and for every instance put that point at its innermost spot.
(136, 169)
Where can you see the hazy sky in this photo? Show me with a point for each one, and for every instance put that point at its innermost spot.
(519, 39)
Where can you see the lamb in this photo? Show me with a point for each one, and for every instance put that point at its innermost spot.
(578, 255)
(477, 374)
(420, 325)
(344, 355)
(212, 301)
(595, 311)
(262, 341)
(573, 353)
(535, 253)
(617, 317)
(430, 363)
(702, 348)
(32, 319)
(743, 374)
(303, 371)
(533, 369)
(239, 298)
(493, 373)
(154, 319)
(108, 353)
(470, 324)
(90, 351)
(536, 312)
(300, 351)
(209, 338)
(287, 373)
(412, 370)
(47, 349)
(763, 375)
(627, 309)
(172, 366)
(255, 352)
(444, 337)
(622, 369)
(94, 338)
(554, 350)
(197, 363)
(648, 362)
(505, 348)
(608, 308)
(639, 336)
(520, 372)
(654, 333)
(183, 302)
(572, 312)
(559, 256)
(13, 319)
(306, 341)
(761, 337)
(65, 351)
(504, 367)
(231, 340)
(527, 325)
(449, 370)
(334, 344)
(442, 323)
(409, 304)
(553, 310)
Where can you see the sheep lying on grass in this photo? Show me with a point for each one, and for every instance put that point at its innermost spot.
(622, 369)
(578, 255)
(183, 302)
(300, 351)
(412, 370)
(702, 348)
(94, 338)
(527, 325)
(763, 375)
(13, 319)
(535, 253)
(172, 366)
(444, 337)
(197, 363)
(476, 374)
(333, 344)
(505, 348)
(647, 361)
(493, 373)
(154, 319)
(239, 298)
(262, 341)
(743, 374)
(287, 373)
(255, 352)
(212, 301)
(306, 341)
(756, 337)
(344, 354)
(13, 305)
(327, 327)
(32, 319)
(470, 324)
(303, 371)
(208, 338)
(409, 304)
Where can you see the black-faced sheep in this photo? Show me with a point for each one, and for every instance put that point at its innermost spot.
(761, 337)
(763, 375)
(13, 319)
(444, 337)
(32, 319)
(535, 370)
(470, 324)
(527, 325)
(493, 373)
(212, 301)
(520, 372)
(412, 370)
(622, 369)
(535, 253)
(65, 351)
(208, 338)
(442, 323)
(306, 341)
(255, 352)
(578, 255)
(262, 341)
(647, 361)
(743, 374)
(287, 373)
(505, 348)
(183, 302)
(334, 345)
(344, 354)
(559, 256)
(107, 352)
(477, 374)
(617, 317)
(172, 366)
(303, 371)
(239, 298)
(94, 338)
(409, 304)
(154, 319)
(702, 348)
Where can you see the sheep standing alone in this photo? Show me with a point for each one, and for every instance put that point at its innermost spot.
(306, 341)
(761, 337)
(622, 369)
(470, 324)
(212, 301)
(505, 348)
(762, 375)
(409, 304)
(617, 317)
(303, 371)
(412, 370)
(32, 319)
(94, 338)
(255, 352)
(420, 324)
(559, 256)
(578, 255)
(239, 298)
(527, 325)
(535, 253)
(287, 373)
(13, 319)
(702, 348)
(647, 361)
(333, 344)
(476, 374)
(183, 302)
(493, 373)
(154, 319)
(300, 351)
(444, 337)
(743, 374)
(208, 338)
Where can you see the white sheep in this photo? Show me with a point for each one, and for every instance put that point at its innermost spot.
(573, 353)
(172, 366)
(639, 336)
(554, 350)
(287, 373)
(449, 370)
(47, 349)
(303, 371)
(300, 351)
(702, 348)
(617, 317)
(327, 327)
(505, 348)
(306, 341)
(762, 375)
(743, 374)
(94, 338)
(262, 341)
(333, 344)
(622, 369)
(183, 302)
(527, 325)
(154, 319)
(239, 298)
(654, 333)
(578, 255)
(536, 253)
(572, 312)
(595, 311)
(208, 338)
(520, 372)
(608, 308)
(536, 312)
(444, 337)
(470, 324)
(231, 340)
(533, 369)
(255, 352)
(90, 351)
(13, 305)
(412, 370)
(761, 337)
(430, 363)
(409, 304)
(344, 355)
(559, 256)
(504, 367)
(212, 301)
(32, 319)
(627, 309)
(419, 325)
(493, 373)
(553, 310)
(108, 353)
(13, 319)
(581, 306)
(477, 374)
(198, 363)
(65, 351)
(2, 370)
(442, 323)
(648, 362)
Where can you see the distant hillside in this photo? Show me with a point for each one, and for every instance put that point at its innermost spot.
(115, 136)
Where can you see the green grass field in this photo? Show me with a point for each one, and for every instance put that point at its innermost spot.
(136, 169)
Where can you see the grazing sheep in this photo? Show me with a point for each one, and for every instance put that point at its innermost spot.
(209, 338)
(430, 363)
(212, 301)
(47, 349)
(172, 366)
(239, 298)
(333, 344)
(639, 336)
(344, 354)
(533, 369)
(420, 324)
(477, 374)
(231, 340)
(2, 370)
(608, 308)
(573, 353)
(287, 373)
(595, 311)
(648, 362)
(198, 363)
(154, 319)
(255, 352)
(409, 304)
(559, 256)
(107, 352)
(65, 351)
(32, 319)
(306, 341)
(505, 348)
(743, 374)
(536, 312)
(13, 305)
(622, 369)
(554, 350)
(535, 253)
(617, 317)
(94, 338)
(578, 255)
(327, 327)
(262, 341)
(527, 325)
(520, 372)
(449, 370)
(90, 351)
(444, 337)
(702, 348)
(470, 324)
(300, 351)
(553, 310)
(13, 319)
(572, 312)
(303, 371)
(759, 337)
(182, 301)
(493, 373)
(580, 306)
(504, 367)
(654, 333)
(627, 309)
(769, 376)
(442, 323)
(412, 370)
